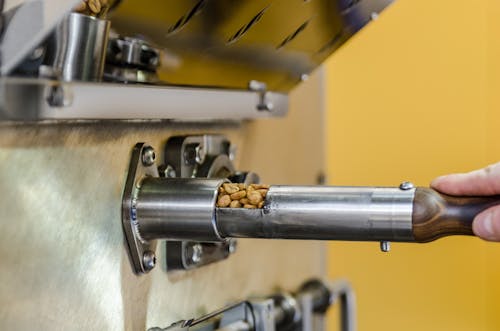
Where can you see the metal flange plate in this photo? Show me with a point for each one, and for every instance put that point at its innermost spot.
(141, 252)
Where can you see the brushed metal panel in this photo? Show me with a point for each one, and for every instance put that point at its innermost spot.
(63, 264)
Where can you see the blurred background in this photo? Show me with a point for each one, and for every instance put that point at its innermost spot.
(415, 95)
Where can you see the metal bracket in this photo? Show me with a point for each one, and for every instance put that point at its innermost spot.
(198, 156)
(142, 164)
(203, 156)
(186, 255)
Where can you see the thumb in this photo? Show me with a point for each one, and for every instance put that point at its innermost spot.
(487, 224)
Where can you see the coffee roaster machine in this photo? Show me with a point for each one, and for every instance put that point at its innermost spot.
(119, 126)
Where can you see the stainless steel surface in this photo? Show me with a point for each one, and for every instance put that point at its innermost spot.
(177, 209)
(92, 101)
(204, 156)
(77, 48)
(63, 258)
(324, 213)
(229, 43)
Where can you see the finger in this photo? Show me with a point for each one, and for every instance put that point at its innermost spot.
(485, 181)
(487, 224)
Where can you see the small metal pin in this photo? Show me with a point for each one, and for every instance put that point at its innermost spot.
(385, 246)
(405, 186)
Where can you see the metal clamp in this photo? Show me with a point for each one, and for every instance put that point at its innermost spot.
(146, 217)
(280, 312)
(186, 255)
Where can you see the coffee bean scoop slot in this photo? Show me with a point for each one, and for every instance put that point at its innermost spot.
(235, 195)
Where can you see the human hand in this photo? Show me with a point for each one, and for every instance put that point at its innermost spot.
(480, 182)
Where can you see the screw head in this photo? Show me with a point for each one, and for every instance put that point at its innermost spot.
(149, 260)
(148, 156)
(197, 253)
(406, 186)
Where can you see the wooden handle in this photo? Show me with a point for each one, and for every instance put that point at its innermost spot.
(437, 215)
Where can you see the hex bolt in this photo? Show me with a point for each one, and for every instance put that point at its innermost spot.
(197, 253)
(385, 246)
(148, 156)
(200, 154)
(405, 186)
(149, 260)
(170, 172)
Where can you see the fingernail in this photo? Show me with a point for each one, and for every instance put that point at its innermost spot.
(483, 227)
(437, 180)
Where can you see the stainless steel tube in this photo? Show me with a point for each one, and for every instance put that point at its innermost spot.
(80, 48)
(177, 209)
(324, 213)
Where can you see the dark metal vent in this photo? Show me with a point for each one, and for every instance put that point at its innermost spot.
(293, 35)
(227, 43)
(187, 17)
(246, 27)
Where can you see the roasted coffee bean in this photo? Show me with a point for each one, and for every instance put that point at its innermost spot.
(254, 197)
(224, 201)
(231, 188)
(235, 204)
(94, 6)
(262, 192)
(238, 195)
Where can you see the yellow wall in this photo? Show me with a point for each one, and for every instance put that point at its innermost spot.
(417, 94)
